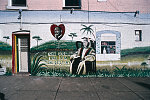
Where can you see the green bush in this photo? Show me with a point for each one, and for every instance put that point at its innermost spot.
(8, 71)
(36, 64)
(5, 48)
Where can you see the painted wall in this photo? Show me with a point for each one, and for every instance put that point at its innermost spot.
(39, 23)
(39, 18)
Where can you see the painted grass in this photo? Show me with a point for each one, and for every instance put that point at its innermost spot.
(122, 71)
(5, 56)
(103, 72)
(8, 71)
(132, 58)
(135, 51)
(129, 58)
(6, 60)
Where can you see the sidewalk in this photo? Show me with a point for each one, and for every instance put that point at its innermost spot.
(61, 88)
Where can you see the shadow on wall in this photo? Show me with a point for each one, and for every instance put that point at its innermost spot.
(2, 96)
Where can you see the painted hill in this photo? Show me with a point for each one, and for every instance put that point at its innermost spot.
(53, 45)
(5, 48)
(135, 51)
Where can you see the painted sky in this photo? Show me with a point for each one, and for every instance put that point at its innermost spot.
(39, 22)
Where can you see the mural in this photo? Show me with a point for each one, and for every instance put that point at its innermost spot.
(85, 52)
(101, 57)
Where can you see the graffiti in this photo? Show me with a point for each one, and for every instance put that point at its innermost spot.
(59, 58)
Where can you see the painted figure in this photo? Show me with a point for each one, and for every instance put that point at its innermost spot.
(58, 34)
(84, 55)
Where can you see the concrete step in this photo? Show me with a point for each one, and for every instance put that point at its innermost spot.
(22, 74)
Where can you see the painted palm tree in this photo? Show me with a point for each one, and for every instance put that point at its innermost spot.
(144, 64)
(37, 38)
(72, 35)
(6, 37)
(88, 29)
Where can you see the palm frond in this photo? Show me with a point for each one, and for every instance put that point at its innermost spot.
(75, 35)
(70, 35)
(35, 37)
(83, 29)
(91, 26)
(84, 26)
(92, 30)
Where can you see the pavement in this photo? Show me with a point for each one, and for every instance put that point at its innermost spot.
(73, 88)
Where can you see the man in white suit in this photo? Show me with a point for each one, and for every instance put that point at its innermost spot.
(79, 59)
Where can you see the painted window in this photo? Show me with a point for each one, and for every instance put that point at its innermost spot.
(108, 43)
(138, 35)
(18, 2)
(108, 47)
(68, 4)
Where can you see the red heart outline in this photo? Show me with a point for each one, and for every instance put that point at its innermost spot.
(53, 30)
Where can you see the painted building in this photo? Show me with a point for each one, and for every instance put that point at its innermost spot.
(117, 24)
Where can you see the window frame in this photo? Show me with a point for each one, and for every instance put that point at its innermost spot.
(139, 35)
(24, 5)
(70, 7)
(11, 7)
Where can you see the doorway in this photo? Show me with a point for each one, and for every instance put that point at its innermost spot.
(23, 53)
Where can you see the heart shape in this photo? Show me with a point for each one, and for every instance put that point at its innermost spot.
(58, 31)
